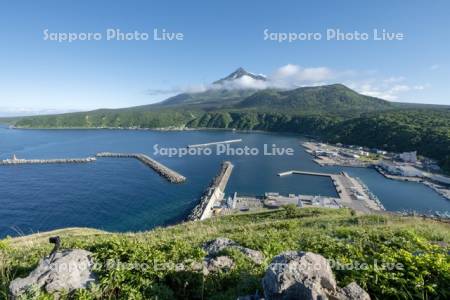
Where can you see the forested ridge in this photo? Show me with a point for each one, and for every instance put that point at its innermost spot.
(333, 113)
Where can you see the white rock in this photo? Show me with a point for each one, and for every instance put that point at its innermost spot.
(220, 263)
(214, 247)
(217, 245)
(298, 275)
(69, 270)
(353, 292)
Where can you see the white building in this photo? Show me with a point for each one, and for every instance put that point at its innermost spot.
(410, 157)
(401, 170)
(363, 153)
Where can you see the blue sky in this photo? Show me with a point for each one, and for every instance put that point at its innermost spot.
(219, 36)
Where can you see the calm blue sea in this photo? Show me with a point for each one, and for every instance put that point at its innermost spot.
(125, 195)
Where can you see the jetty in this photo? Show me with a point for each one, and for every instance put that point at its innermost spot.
(353, 193)
(215, 143)
(166, 172)
(19, 161)
(304, 173)
(215, 192)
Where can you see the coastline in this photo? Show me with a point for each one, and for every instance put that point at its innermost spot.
(206, 129)
(442, 191)
(165, 129)
(329, 161)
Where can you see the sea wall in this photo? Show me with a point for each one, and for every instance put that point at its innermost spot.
(47, 161)
(161, 169)
(213, 193)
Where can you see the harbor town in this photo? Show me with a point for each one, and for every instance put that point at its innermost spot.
(407, 166)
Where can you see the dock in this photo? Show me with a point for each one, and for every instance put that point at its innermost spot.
(271, 200)
(16, 161)
(166, 172)
(352, 192)
(214, 143)
(304, 173)
(213, 194)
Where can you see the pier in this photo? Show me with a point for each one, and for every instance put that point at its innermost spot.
(215, 143)
(352, 192)
(272, 200)
(304, 173)
(16, 161)
(213, 193)
(161, 169)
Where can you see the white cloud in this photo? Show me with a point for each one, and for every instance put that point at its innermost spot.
(26, 111)
(293, 76)
(244, 82)
(384, 89)
(394, 79)
(286, 77)
(178, 89)
(290, 76)
(434, 67)
(420, 87)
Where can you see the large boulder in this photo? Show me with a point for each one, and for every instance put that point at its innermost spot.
(299, 275)
(216, 264)
(352, 292)
(214, 247)
(256, 256)
(66, 271)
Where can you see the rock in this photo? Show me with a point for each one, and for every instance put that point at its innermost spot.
(220, 263)
(256, 256)
(352, 292)
(67, 271)
(298, 275)
(214, 247)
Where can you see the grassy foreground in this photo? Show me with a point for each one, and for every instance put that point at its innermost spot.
(365, 247)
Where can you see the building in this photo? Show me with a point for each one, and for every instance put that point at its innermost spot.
(348, 154)
(325, 153)
(401, 170)
(410, 157)
(363, 153)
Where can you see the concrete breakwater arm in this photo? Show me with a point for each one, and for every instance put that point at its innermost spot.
(16, 161)
(215, 143)
(161, 169)
(214, 192)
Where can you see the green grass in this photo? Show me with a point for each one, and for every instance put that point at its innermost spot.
(340, 235)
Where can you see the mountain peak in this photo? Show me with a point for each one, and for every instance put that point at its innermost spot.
(240, 72)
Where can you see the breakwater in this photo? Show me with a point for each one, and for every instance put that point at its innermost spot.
(304, 173)
(215, 143)
(213, 193)
(16, 161)
(352, 192)
(159, 168)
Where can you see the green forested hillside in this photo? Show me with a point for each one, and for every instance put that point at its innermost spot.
(427, 131)
(334, 113)
(217, 98)
(334, 99)
(157, 118)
